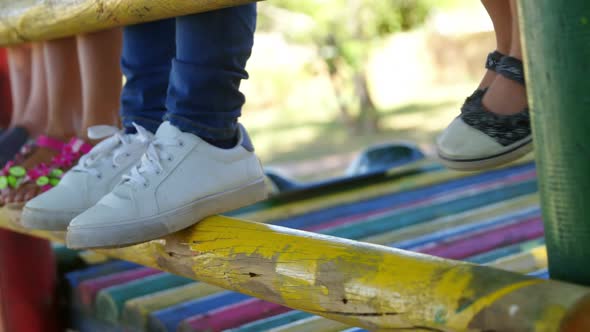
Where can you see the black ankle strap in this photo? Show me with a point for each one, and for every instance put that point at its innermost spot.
(511, 68)
(493, 60)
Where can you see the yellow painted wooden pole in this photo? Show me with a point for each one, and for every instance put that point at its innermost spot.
(34, 20)
(356, 283)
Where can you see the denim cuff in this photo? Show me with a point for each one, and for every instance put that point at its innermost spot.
(202, 130)
(149, 124)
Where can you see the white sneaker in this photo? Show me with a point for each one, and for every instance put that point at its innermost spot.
(180, 180)
(96, 175)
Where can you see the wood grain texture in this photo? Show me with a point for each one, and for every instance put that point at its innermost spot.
(355, 283)
(34, 20)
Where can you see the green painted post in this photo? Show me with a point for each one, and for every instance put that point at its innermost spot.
(556, 42)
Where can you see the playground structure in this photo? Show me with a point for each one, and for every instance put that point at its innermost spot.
(373, 286)
(330, 276)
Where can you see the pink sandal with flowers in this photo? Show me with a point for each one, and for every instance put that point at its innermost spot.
(43, 176)
(12, 173)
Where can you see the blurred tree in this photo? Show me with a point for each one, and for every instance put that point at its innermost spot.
(344, 32)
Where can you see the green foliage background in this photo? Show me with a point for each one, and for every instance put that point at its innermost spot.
(344, 32)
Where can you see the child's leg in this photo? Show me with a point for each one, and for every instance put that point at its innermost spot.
(29, 88)
(148, 50)
(495, 128)
(64, 105)
(147, 54)
(99, 55)
(500, 14)
(212, 51)
(36, 109)
(64, 89)
(181, 178)
(505, 96)
(19, 64)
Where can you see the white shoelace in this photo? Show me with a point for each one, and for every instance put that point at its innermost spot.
(118, 144)
(151, 161)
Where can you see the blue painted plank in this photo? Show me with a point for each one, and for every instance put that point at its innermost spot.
(444, 234)
(398, 199)
(168, 319)
(76, 277)
(408, 217)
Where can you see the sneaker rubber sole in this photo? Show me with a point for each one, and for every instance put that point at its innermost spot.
(47, 220)
(158, 226)
(509, 154)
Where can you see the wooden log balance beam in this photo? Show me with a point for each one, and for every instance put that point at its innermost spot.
(356, 283)
(35, 20)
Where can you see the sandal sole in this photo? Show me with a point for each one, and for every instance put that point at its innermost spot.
(485, 163)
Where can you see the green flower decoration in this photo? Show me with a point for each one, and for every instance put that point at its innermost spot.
(17, 171)
(42, 181)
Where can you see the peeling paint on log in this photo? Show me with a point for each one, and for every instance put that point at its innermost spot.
(385, 288)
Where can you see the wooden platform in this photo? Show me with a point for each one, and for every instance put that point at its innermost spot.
(368, 285)
(334, 278)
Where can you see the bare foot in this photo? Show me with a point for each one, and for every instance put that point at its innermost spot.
(491, 63)
(487, 80)
(505, 97)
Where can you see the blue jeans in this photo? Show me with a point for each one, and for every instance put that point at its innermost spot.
(187, 70)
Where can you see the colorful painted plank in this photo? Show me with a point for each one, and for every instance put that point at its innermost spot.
(454, 204)
(362, 202)
(451, 221)
(479, 242)
(525, 262)
(466, 230)
(495, 254)
(76, 277)
(412, 186)
(137, 311)
(272, 322)
(110, 301)
(87, 290)
(312, 324)
(232, 316)
(169, 319)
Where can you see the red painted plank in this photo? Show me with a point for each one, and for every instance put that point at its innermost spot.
(28, 283)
